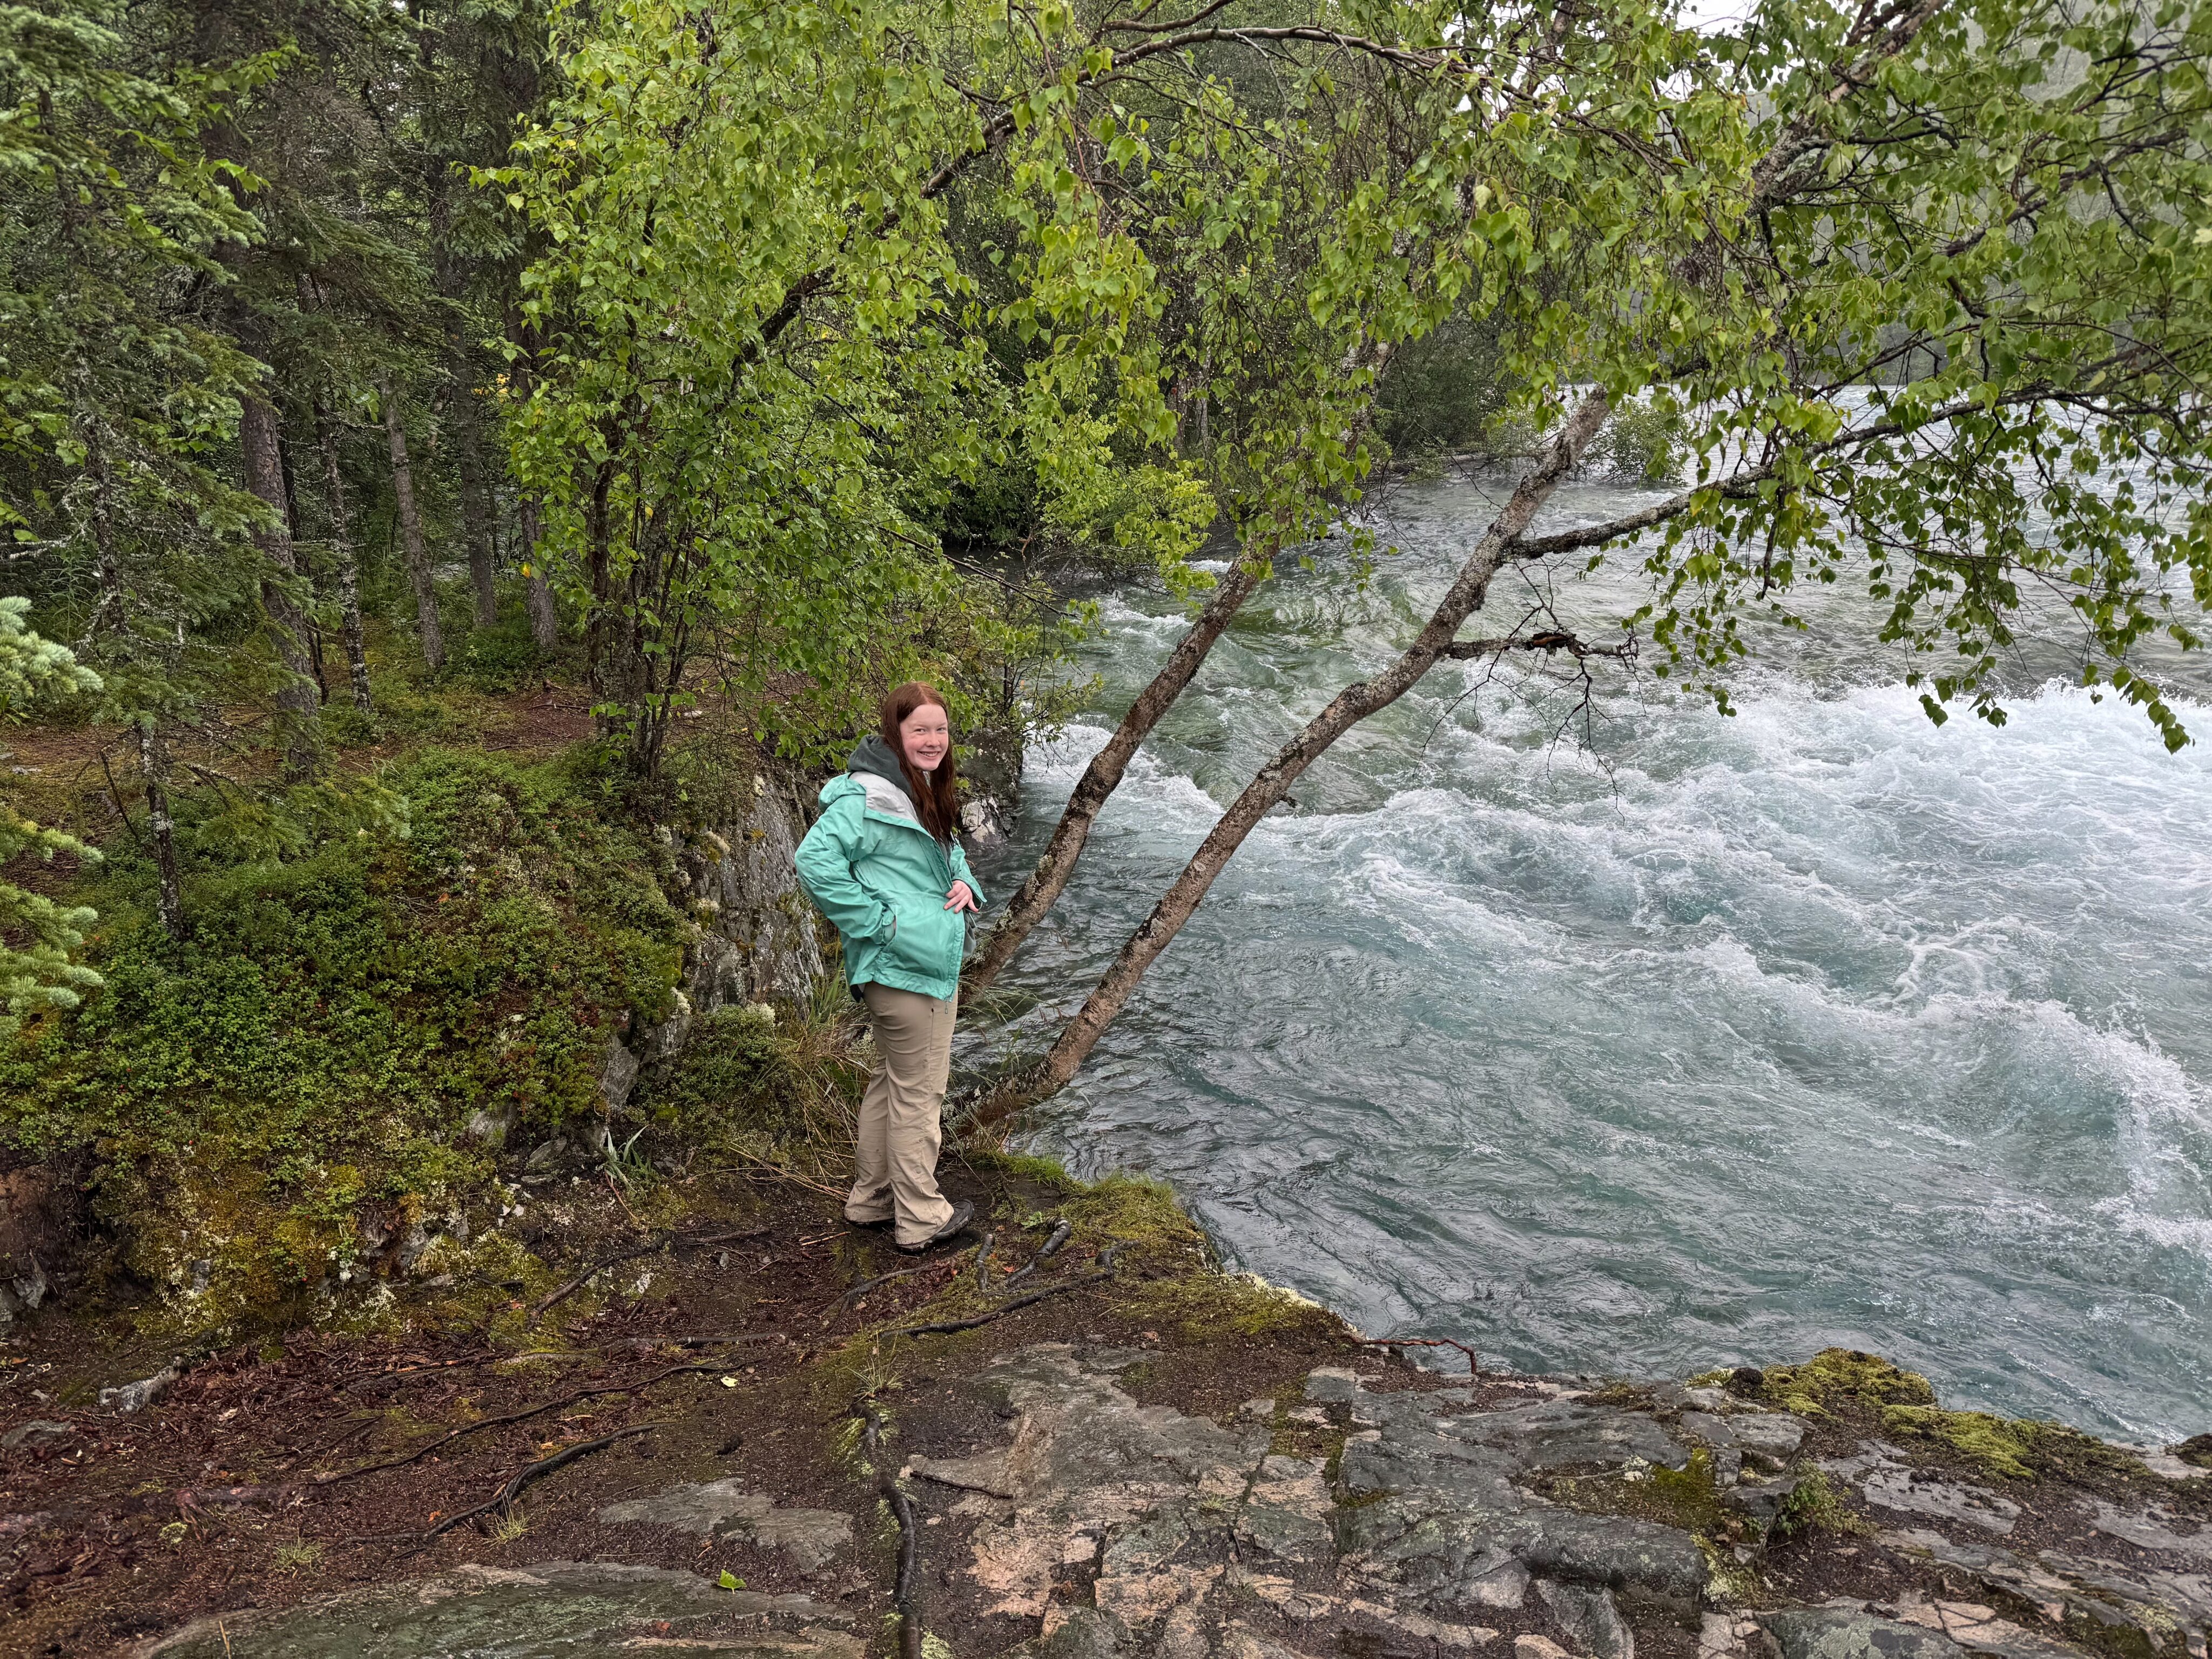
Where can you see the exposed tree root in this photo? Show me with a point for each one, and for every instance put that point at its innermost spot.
(503, 1499)
(969, 1324)
(902, 1508)
(449, 1438)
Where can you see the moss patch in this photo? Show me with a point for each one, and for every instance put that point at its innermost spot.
(1815, 1506)
(1688, 1497)
(2018, 1449)
(1835, 1374)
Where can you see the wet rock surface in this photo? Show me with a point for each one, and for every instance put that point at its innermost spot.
(563, 1608)
(1526, 1514)
(723, 1509)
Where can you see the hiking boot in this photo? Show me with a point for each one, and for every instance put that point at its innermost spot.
(962, 1213)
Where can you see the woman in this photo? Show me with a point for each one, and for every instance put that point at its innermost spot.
(883, 862)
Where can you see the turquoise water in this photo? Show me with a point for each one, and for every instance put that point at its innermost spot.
(1716, 1040)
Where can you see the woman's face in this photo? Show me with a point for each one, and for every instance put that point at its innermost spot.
(925, 736)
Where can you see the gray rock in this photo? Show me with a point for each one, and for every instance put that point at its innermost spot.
(37, 1433)
(1886, 1478)
(723, 1509)
(756, 940)
(135, 1396)
(1288, 1512)
(1447, 1522)
(1771, 1435)
(1332, 1385)
(1845, 1633)
(1589, 1619)
(1085, 1634)
(666, 1040)
(2152, 1529)
(556, 1610)
(1565, 1433)
(31, 1285)
(1771, 1438)
(618, 1075)
(1761, 1501)
(1980, 1630)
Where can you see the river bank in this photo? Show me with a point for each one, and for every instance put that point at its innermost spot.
(723, 1442)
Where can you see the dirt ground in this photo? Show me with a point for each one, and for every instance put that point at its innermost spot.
(750, 1343)
(290, 1467)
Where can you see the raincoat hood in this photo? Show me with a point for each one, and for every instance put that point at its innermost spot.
(873, 757)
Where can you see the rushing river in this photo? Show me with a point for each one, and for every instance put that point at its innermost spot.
(1717, 1040)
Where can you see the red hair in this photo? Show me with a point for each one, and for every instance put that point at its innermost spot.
(937, 796)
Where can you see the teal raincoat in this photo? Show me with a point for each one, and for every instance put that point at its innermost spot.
(881, 877)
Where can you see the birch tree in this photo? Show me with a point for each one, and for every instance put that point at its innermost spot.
(2006, 195)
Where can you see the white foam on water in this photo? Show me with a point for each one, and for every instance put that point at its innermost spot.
(1819, 1022)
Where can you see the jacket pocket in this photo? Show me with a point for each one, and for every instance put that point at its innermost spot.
(928, 937)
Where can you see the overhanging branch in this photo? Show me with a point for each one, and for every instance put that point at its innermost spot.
(1551, 640)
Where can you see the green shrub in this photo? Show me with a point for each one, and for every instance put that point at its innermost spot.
(736, 1072)
(501, 658)
(290, 1087)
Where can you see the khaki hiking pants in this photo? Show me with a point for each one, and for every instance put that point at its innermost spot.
(894, 1173)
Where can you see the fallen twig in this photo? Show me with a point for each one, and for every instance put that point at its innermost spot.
(466, 1430)
(769, 1337)
(867, 1284)
(922, 1469)
(191, 1499)
(1061, 1232)
(1001, 1310)
(726, 1238)
(532, 1471)
(591, 1273)
(1474, 1365)
(357, 1429)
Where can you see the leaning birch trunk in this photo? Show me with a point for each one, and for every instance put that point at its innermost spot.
(545, 619)
(411, 531)
(298, 700)
(1355, 702)
(342, 556)
(1049, 879)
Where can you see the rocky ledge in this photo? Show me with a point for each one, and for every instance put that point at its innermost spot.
(1365, 1509)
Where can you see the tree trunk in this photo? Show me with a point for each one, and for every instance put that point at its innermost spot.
(411, 531)
(545, 619)
(154, 768)
(153, 758)
(599, 625)
(297, 701)
(477, 520)
(110, 611)
(342, 557)
(1045, 884)
(298, 532)
(1355, 702)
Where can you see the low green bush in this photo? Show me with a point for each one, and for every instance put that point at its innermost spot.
(278, 1099)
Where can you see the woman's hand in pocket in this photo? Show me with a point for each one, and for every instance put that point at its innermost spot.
(960, 898)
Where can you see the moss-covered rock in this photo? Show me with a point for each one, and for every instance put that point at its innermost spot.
(1867, 1378)
(2019, 1448)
